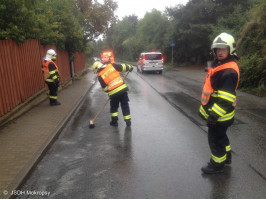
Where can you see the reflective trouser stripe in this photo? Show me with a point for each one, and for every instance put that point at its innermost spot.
(218, 159)
(127, 117)
(53, 97)
(228, 148)
(115, 114)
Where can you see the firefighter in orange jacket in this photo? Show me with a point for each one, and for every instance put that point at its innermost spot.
(218, 101)
(51, 76)
(111, 82)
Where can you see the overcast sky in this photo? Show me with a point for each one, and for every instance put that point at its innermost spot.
(140, 7)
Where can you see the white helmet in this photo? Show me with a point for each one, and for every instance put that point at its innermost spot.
(50, 55)
(225, 40)
(96, 66)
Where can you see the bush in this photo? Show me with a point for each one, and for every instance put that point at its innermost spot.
(251, 48)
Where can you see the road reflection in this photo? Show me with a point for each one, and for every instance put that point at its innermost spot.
(220, 184)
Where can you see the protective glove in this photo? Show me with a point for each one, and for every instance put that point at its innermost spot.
(211, 121)
(131, 68)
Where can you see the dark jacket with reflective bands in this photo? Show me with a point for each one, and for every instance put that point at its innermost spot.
(111, 80)
(219, 92)
(50, 71)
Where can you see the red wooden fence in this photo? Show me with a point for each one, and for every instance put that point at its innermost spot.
(20, 70)
(79, 61)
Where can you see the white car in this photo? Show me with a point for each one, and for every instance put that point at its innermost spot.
(150, 61)
(96, 59)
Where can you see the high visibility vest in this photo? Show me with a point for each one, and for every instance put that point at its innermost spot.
(111, 77)
(208, 90)
(46, 71)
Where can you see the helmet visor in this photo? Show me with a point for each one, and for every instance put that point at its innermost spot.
(219, 46)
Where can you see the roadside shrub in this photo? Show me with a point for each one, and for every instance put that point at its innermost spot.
(252, 49)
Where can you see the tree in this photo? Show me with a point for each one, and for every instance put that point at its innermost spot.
(252, 49)
(190, 31)
(123, 30)
(69, 24)
(231, 18)
(15, 20)
(96, 18)
(151, 30)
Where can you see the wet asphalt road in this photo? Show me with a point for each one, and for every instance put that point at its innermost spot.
(160, 156)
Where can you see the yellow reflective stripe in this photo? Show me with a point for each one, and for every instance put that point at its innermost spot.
(214, 94)
(218, 110)
(114, 114)
(121, 87)
(228, 148)
(52, 72)
(49, 80)
(124, 68)
(105, 89)
(218, 159)
(202, 111)
(226, 117)
(53, 97)
(226, 95)
(115, 82)
(220, 119)
(55, 77)
(127, 117)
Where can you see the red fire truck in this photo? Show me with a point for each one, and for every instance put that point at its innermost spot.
(107, 56)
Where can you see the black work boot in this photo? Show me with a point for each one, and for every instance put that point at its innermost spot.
(55, 103)
(114, 123)
(212, 169)
(228, 160)
(128, 122)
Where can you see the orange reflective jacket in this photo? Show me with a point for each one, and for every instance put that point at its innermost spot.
(46, 72)
(207, 89)
(111, 77)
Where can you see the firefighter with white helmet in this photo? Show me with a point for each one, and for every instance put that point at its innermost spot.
(225, 40)
(51, 76)
(112, 83)
(218, 101)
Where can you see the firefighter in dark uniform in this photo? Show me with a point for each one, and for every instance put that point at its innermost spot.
(51, 76)
(114, 85)
(218, 101)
